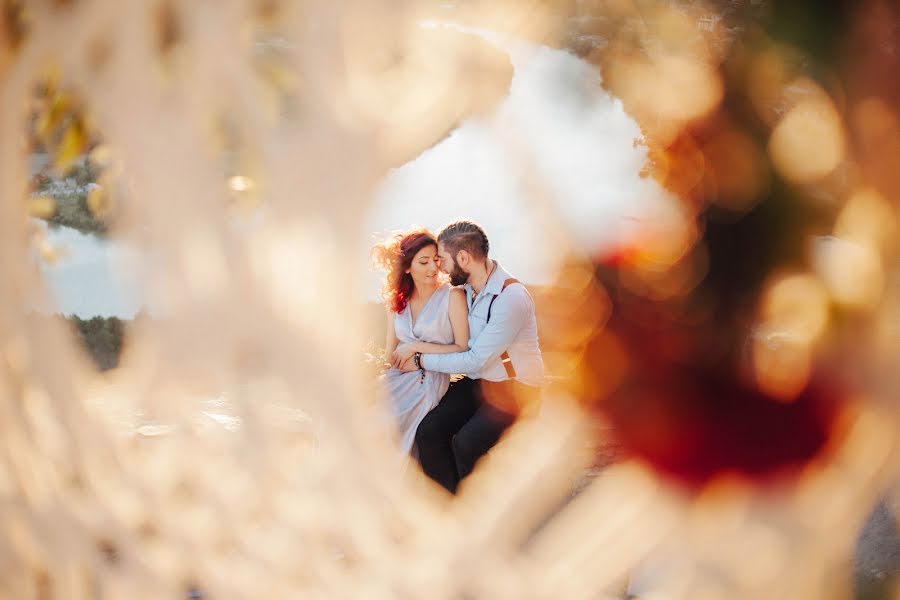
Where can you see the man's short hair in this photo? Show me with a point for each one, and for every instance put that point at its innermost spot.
(465, 235)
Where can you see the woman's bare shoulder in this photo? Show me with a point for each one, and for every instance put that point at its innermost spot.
(457, 292)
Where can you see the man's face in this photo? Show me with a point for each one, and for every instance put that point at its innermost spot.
(449, 266)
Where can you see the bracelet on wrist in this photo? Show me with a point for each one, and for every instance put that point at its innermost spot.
(417, 360)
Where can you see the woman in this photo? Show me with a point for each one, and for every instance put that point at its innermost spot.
(424, 314)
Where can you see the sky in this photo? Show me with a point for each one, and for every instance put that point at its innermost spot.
(555, 169)
(87, 280)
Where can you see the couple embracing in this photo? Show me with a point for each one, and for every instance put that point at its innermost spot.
(480, 324)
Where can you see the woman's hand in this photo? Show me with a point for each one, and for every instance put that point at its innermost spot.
(403, 353)
(408, 366)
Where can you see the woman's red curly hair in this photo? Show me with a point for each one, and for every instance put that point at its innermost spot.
(396, 255)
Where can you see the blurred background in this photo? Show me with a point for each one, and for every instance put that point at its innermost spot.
(702, 197)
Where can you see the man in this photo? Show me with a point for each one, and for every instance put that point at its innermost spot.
(503, 365)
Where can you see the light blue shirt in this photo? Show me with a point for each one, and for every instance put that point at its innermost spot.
(513, 327)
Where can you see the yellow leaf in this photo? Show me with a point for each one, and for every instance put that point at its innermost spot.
(101, 156)
(42, 207)
(55, 109)
(48, 252)
(99, 202)
(279, 75)
(71, 146)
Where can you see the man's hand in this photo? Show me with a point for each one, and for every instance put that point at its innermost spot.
(403, 353)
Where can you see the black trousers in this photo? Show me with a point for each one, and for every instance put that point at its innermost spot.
(458, 431)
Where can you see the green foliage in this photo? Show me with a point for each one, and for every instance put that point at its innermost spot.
(71, 198)
(102, 337)
(73, 212)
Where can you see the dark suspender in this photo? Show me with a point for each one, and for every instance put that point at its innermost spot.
(504, 358)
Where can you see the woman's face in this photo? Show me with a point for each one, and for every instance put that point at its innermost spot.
(425, 267)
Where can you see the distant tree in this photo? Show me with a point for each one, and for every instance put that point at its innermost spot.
(102, 337)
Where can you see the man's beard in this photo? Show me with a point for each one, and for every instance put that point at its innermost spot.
(458, 276)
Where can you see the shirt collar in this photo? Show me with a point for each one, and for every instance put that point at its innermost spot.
(494, 284)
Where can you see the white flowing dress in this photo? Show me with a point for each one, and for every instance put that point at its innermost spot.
(409, 396)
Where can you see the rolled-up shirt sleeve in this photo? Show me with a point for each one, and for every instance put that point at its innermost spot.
(509, 314)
